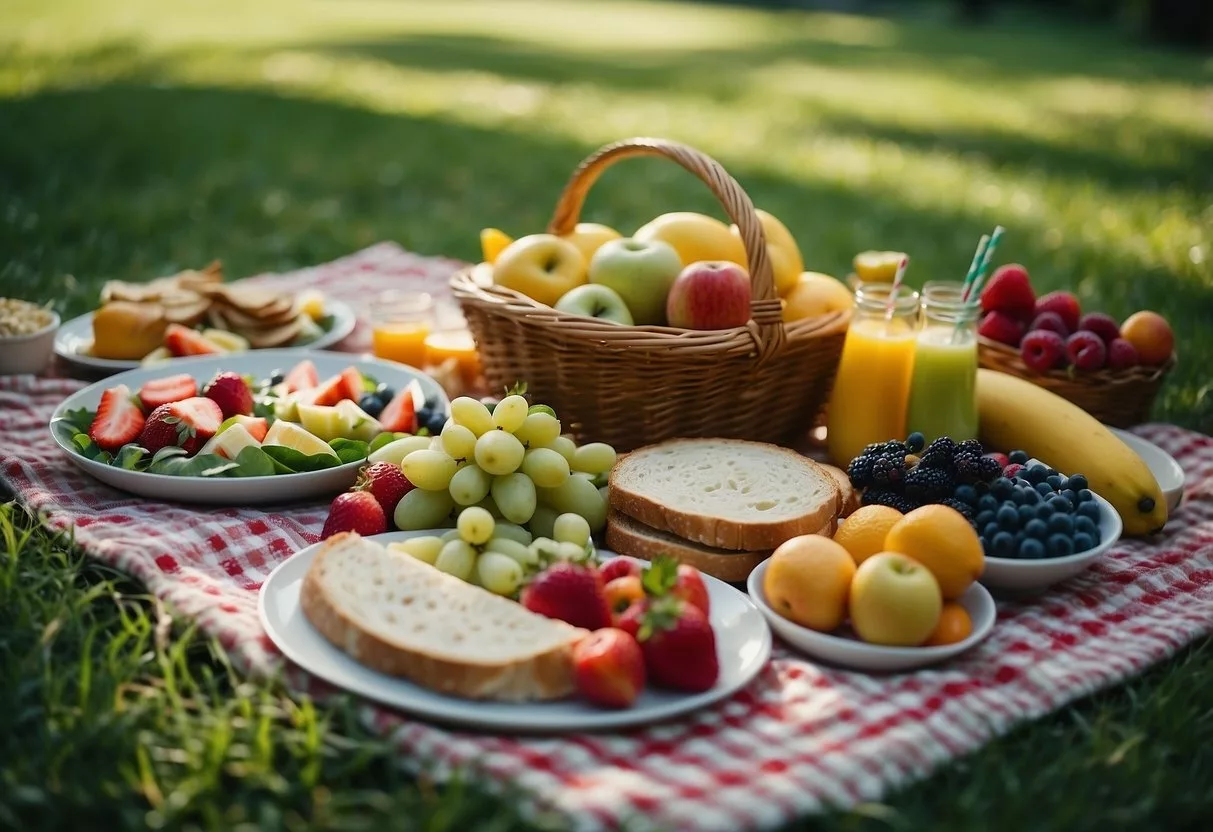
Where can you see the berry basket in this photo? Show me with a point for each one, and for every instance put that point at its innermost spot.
(632, 385)
(1120, 398)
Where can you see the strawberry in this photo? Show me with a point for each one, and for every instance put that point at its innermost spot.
(608, 666)
(570, 592)
(691, 588)
(631, 619)
(1086, 350)
(1010, 292)
(1104, 326)
(328, 393)
(665, 576)
(186, 424)
(1062, 304)
(231, 393)
(1000, 327)
(355, 511)
(181, 340)
(1042, 350)
(118, 420)
(303, 376)
(400, 414)
(167, 390)
(1122, 354)
(386, 482)
(619, 568)
(679, 646)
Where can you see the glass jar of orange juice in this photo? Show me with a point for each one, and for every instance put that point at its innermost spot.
(400, 322)
(872, 387)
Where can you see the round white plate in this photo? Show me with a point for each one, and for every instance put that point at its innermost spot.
(240, 491)
(743, 643)
(1162, 465)
(76, 336)
(859, 655)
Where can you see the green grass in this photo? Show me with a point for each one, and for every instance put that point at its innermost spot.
(143, 137)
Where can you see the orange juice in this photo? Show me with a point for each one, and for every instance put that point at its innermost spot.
(403, 342)
(872, 387)
(457, 345)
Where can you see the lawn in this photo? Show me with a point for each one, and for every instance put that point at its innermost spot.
(144, 137)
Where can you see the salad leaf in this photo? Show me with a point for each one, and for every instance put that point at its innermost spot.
(253, 462)
(290, 461)
(204, 465)
(130, 457)
(81, 419)
(350, 450)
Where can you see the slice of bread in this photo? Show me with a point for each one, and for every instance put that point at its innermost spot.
(626, 536)
(849, 497)
(724, 493)
(400, 616)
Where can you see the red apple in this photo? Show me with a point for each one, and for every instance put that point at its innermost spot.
(709, 295)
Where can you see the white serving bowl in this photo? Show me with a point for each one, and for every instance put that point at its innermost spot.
(1161, 464)
(21, 354)
(1021, 576)
(859, 655)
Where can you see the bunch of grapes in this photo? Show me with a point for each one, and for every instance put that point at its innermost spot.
(513, 462)
(906, 475)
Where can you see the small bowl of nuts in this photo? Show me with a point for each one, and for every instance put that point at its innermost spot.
(27, 336)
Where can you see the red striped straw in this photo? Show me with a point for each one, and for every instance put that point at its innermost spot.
(897, 278)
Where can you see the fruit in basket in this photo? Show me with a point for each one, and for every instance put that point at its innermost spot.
(786, 262)
(1001, 327)
(709, 295)
(541, 266)
(186, 424)
(1062, 304)
(1043, 350)
(1015, 413)
(609, 668)
(590, 236)
(943, 540)
(894, 600)
(1104, 326)
(1086, 351)
(1010, 291)
(493, 241)
(864, 533)
(807, 581)
(695, 237)
(232, 394)
(118, 421)
(1052, 322)
(595, 301)
(954, 626)
(1150, 335)
(639, 271)
(816, 294)
(571, 592)
(1122, 355)
(877, 266)
(354, 511)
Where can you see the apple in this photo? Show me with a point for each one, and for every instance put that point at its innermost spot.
(786, 262)
(695, 237)
(710, 295)
(594, 301)
(895, 600)
(639, 272)
(543, 267)
(589, 237)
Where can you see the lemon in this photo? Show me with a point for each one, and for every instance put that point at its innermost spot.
(493, 241)
(290, 435)
(311, 303)
(877, 266)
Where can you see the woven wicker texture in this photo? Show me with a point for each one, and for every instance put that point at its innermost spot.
(630, 386)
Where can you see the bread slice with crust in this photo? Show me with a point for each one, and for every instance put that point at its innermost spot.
(626, 536)
(724, 493)
(849, 497)
(400, 616)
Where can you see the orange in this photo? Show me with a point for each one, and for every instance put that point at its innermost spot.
(1151, 335)
(808, 581)
(941, 539)
(954, 625)
(863, 533)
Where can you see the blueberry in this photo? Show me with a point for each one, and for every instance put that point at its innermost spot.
(1036, 473)
(915, 442)
(1032, 549)
(1030, 496)
(1003, 545)
(985, 518)
(424, 415)
(436, 422)
(1008, 518)
(276, 377)
(1044, 489)
(1083, 542)
(1078, 482)
(966, 494)
(1059, 504)
(990, 530)
(1019, 457)
(1059, 546)
(371, 404)
(1038, 529)
(385, 392)
(1054, 481)
(987, 503)
(1061, 524)
(1085, 525)
(1025, 513)
(1089, 509)
(1001, 488)
(1085, 496)
(1017, 496)
(1044, 511)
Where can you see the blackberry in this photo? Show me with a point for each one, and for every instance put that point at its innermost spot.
(969, 447)
(929, 483)
(887, 471)
(988, 468)
(963, 507)
(860, 471)
(915, 442)
(939, 453)
(890, 498)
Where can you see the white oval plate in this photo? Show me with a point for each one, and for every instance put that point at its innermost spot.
(859, 655)
(239, 491)
(1162, 465)
(76, 336)
(743, 643)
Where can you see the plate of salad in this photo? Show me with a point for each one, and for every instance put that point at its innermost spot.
(269, 426)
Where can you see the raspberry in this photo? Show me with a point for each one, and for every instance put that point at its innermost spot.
(1087, 352)
(1062, 304)
(1122, 355)
(1104, 326)
(1050, 321)
(1042, 350)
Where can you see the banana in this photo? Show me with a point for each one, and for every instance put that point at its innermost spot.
(1015, 414)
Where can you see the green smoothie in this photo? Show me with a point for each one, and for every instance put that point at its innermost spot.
(943, 387)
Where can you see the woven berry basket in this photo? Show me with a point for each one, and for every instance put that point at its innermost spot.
(1120, 398)
(632, 385)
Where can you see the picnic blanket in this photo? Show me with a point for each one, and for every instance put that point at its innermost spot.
(800, 739)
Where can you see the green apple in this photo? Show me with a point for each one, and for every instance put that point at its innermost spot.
(895, 601)
(362, 425)
(641, 272)
(594, 301)
(325, 422)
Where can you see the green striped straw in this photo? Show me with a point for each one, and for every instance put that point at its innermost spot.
(986, 257)
(971, 275)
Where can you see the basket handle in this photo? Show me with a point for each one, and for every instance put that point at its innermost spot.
(766, 313)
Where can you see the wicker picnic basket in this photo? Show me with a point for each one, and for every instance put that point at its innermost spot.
(1120, 398)
(630, 386)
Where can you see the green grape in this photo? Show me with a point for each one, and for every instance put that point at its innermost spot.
(546, 467)
(510, 413)
(538, 430)
(513, 532)
(579, 496)
(514, 494)
(571, 528)
(457, 558)
(593, 458)
(458, 441)
(569, 551)
(453, 534)
(564, 446)
(470, 485)
(425, 549)
(490, 506)
(520, 552)
(475, 525)
(545, 549)
(421, 509)
(395, 452)
(430, 470)
(543, 521)
(499, 573)
(498, 453)
(472, 414)
(436, 443)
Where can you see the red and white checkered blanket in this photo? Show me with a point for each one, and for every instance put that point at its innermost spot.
(800, 739)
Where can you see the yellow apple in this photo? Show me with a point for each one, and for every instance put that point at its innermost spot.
(816, 294)
(895, 600)
(541, 266)
(786, 262)
(696, 237)
(589, 237)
